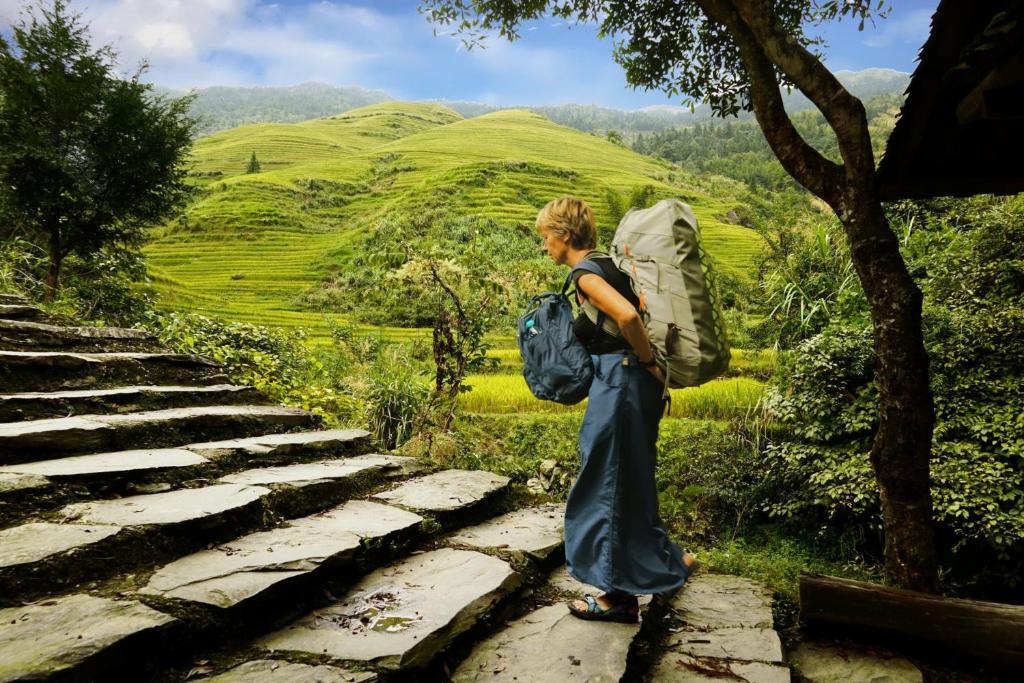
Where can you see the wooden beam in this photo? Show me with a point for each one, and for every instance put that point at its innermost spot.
(986, 631)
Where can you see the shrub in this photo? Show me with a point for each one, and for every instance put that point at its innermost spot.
(273, 361)
(396, 401)
(968, 257)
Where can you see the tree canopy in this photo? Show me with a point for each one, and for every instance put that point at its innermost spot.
(87, 158)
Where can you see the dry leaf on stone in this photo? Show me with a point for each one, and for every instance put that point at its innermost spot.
(198, 671)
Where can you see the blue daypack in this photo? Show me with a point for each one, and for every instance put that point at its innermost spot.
(556, 365)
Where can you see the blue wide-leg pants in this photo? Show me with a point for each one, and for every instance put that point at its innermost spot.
(614, 537)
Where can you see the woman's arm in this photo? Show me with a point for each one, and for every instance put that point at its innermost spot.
(618, 308)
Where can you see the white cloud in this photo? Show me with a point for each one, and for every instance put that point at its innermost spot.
(911, 29)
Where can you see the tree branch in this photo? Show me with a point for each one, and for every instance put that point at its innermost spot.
(801, 160)
(844, 112)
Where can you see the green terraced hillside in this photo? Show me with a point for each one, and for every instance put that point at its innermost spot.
(250, 245)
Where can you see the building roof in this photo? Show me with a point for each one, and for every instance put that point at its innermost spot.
(961, 129)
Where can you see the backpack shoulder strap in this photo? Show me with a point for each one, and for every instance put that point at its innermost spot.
(584, 266)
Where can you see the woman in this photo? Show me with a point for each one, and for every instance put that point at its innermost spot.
(614, 538)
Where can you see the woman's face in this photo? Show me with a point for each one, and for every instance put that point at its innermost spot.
(555, 245)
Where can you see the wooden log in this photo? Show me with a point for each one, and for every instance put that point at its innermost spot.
(986, 631)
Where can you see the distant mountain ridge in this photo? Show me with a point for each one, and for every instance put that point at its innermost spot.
(221, 107)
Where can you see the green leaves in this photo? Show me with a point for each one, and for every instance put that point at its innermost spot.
(966, 255)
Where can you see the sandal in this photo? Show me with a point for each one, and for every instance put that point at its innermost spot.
(617, 613)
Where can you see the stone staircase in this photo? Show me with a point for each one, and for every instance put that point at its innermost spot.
(159, 523)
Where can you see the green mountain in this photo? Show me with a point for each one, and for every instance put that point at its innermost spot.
(263, 247)
(220, 108)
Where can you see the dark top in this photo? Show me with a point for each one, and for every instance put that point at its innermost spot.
(598, 340)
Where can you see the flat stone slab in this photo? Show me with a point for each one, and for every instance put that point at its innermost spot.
(262, 670)
(66, 359)
(97, 432)
(551, 645)
(681, 668)
(119, 462)
(46, 403)
(721, 601)
(16, 310)
(302, 473)
(8, 298)
(245, 567)
(16, 483)
(395, 465)
(282, 444)
(560, 579)
(173, 507)
(120, 333)
(141, 390)
(42, 640)
(819, 663)
(29, 543)
(208, 414)
(446, 491)
(83, 432)
(401, 616)
(746, 644)
(535, 531)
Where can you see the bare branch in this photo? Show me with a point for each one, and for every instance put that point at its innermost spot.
(844, 112)
(801, 160)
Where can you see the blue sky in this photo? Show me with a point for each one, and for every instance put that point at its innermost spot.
(387, 45)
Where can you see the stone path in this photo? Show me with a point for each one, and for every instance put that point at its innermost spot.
(721, 627)
(158, 520)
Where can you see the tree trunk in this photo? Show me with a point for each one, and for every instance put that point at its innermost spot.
(53, 273)
(901, 450)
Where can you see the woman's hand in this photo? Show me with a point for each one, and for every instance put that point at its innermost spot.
(658, 374)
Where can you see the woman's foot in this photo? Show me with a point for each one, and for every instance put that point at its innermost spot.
(621, 608)
(690, 565)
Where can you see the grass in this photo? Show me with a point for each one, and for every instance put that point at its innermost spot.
(776, 556)
(250, 245)
(721, 399)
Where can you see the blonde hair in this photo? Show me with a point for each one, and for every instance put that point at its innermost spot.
(569, 216)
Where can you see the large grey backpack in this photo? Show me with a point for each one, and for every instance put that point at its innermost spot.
(660, 250)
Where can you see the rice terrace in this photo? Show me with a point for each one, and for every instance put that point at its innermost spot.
(641, 342)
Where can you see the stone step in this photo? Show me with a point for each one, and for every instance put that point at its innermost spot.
(42, 439)
(25, 335)
(28, 489)
(39, 557)
(721, 627)
(449, 495)
(830, 662)
(41, 405)
(20, 311)
(549, 644)
(54, 370)
(264, 670)
(78, 637)
(401, 617)
(7, 299)
(531, 533)
(252, 567)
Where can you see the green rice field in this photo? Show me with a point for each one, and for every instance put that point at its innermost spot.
(505, 390)
(721, 399)
(250, 245)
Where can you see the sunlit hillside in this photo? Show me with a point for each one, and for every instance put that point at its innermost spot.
(250, 245)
